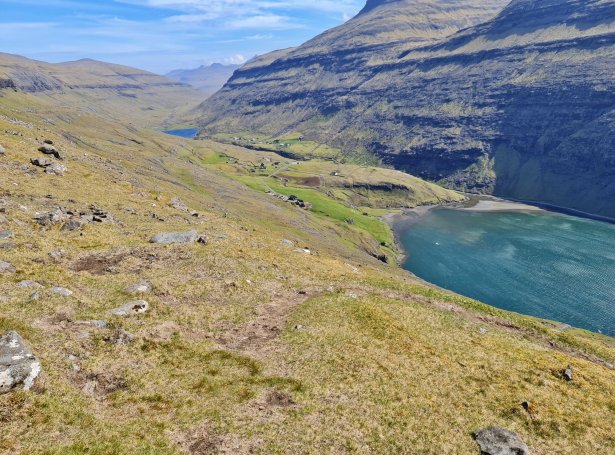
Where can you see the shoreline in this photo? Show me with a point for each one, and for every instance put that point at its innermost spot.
(404, 218)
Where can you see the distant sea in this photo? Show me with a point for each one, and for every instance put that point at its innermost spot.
(544, 264)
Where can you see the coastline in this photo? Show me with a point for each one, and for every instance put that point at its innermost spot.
(404, 218)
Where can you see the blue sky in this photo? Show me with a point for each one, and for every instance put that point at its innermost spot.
(161, 35)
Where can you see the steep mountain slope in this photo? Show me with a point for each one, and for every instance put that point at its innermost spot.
(520, 106)
(304, 84)
(280, 334)
(143, 98)
(208, 79)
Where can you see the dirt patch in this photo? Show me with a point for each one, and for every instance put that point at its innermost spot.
(258, 336)
(100, 384)
(281, 399)
(98, 264)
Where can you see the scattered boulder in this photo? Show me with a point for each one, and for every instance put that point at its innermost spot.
(35, 296)
(2, 151)
(178, 204)
(3, 219)
(142, 287)
(97, 324)
(7, 267)
(19, 369)
(30, 284)
(568, 374)
(49, 149)
(74, 224)
(168, 238)
(4, 235)
(56, 169)
(499, 441)
(50, 218)
(40, 162)
(61, 291)
(99, 215)
(131, 308)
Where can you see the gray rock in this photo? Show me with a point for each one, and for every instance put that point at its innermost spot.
(568, 373)
(142, 287)
(168, 238)
(3, 219)
(499, 441)
(49, 149)
(19, 369)
(30, 284)
(5, 235)
(8, 246)
(61, 291)
(131, 308)
(2, 151)
(50, 218)
(35, 296)
(74, 224)
(7, 267)
(56, 169)
(98, 324)
(178, 204)
(40, 162)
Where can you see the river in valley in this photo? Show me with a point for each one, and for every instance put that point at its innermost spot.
(539, 263)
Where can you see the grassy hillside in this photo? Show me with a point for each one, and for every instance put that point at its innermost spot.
(104, 89)
(252, 345)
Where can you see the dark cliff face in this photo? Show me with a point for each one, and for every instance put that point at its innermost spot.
(521, 105)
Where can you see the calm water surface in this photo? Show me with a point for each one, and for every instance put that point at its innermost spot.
(548, 265)
(190, 133)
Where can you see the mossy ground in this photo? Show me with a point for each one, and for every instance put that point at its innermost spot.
(252, 346)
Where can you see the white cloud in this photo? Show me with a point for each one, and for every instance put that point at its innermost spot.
(263, 21)
(237, 59)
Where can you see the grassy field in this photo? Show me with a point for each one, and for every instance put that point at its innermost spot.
(251, 345)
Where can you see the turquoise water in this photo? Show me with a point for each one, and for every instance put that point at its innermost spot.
(547, 265)
(189, 133)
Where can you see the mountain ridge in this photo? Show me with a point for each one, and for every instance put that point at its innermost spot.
(208, 78)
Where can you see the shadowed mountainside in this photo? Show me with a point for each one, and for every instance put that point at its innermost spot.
(520, 106)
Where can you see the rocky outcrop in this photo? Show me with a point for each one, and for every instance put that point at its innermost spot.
(499, 441)
(132, 308)
(169, 238)
(521, 106)
(19, 369)
(7, 267)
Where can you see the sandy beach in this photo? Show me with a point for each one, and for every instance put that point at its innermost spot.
(500, 205)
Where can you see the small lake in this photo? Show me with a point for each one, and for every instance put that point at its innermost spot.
(543, 264)
(189, 133)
